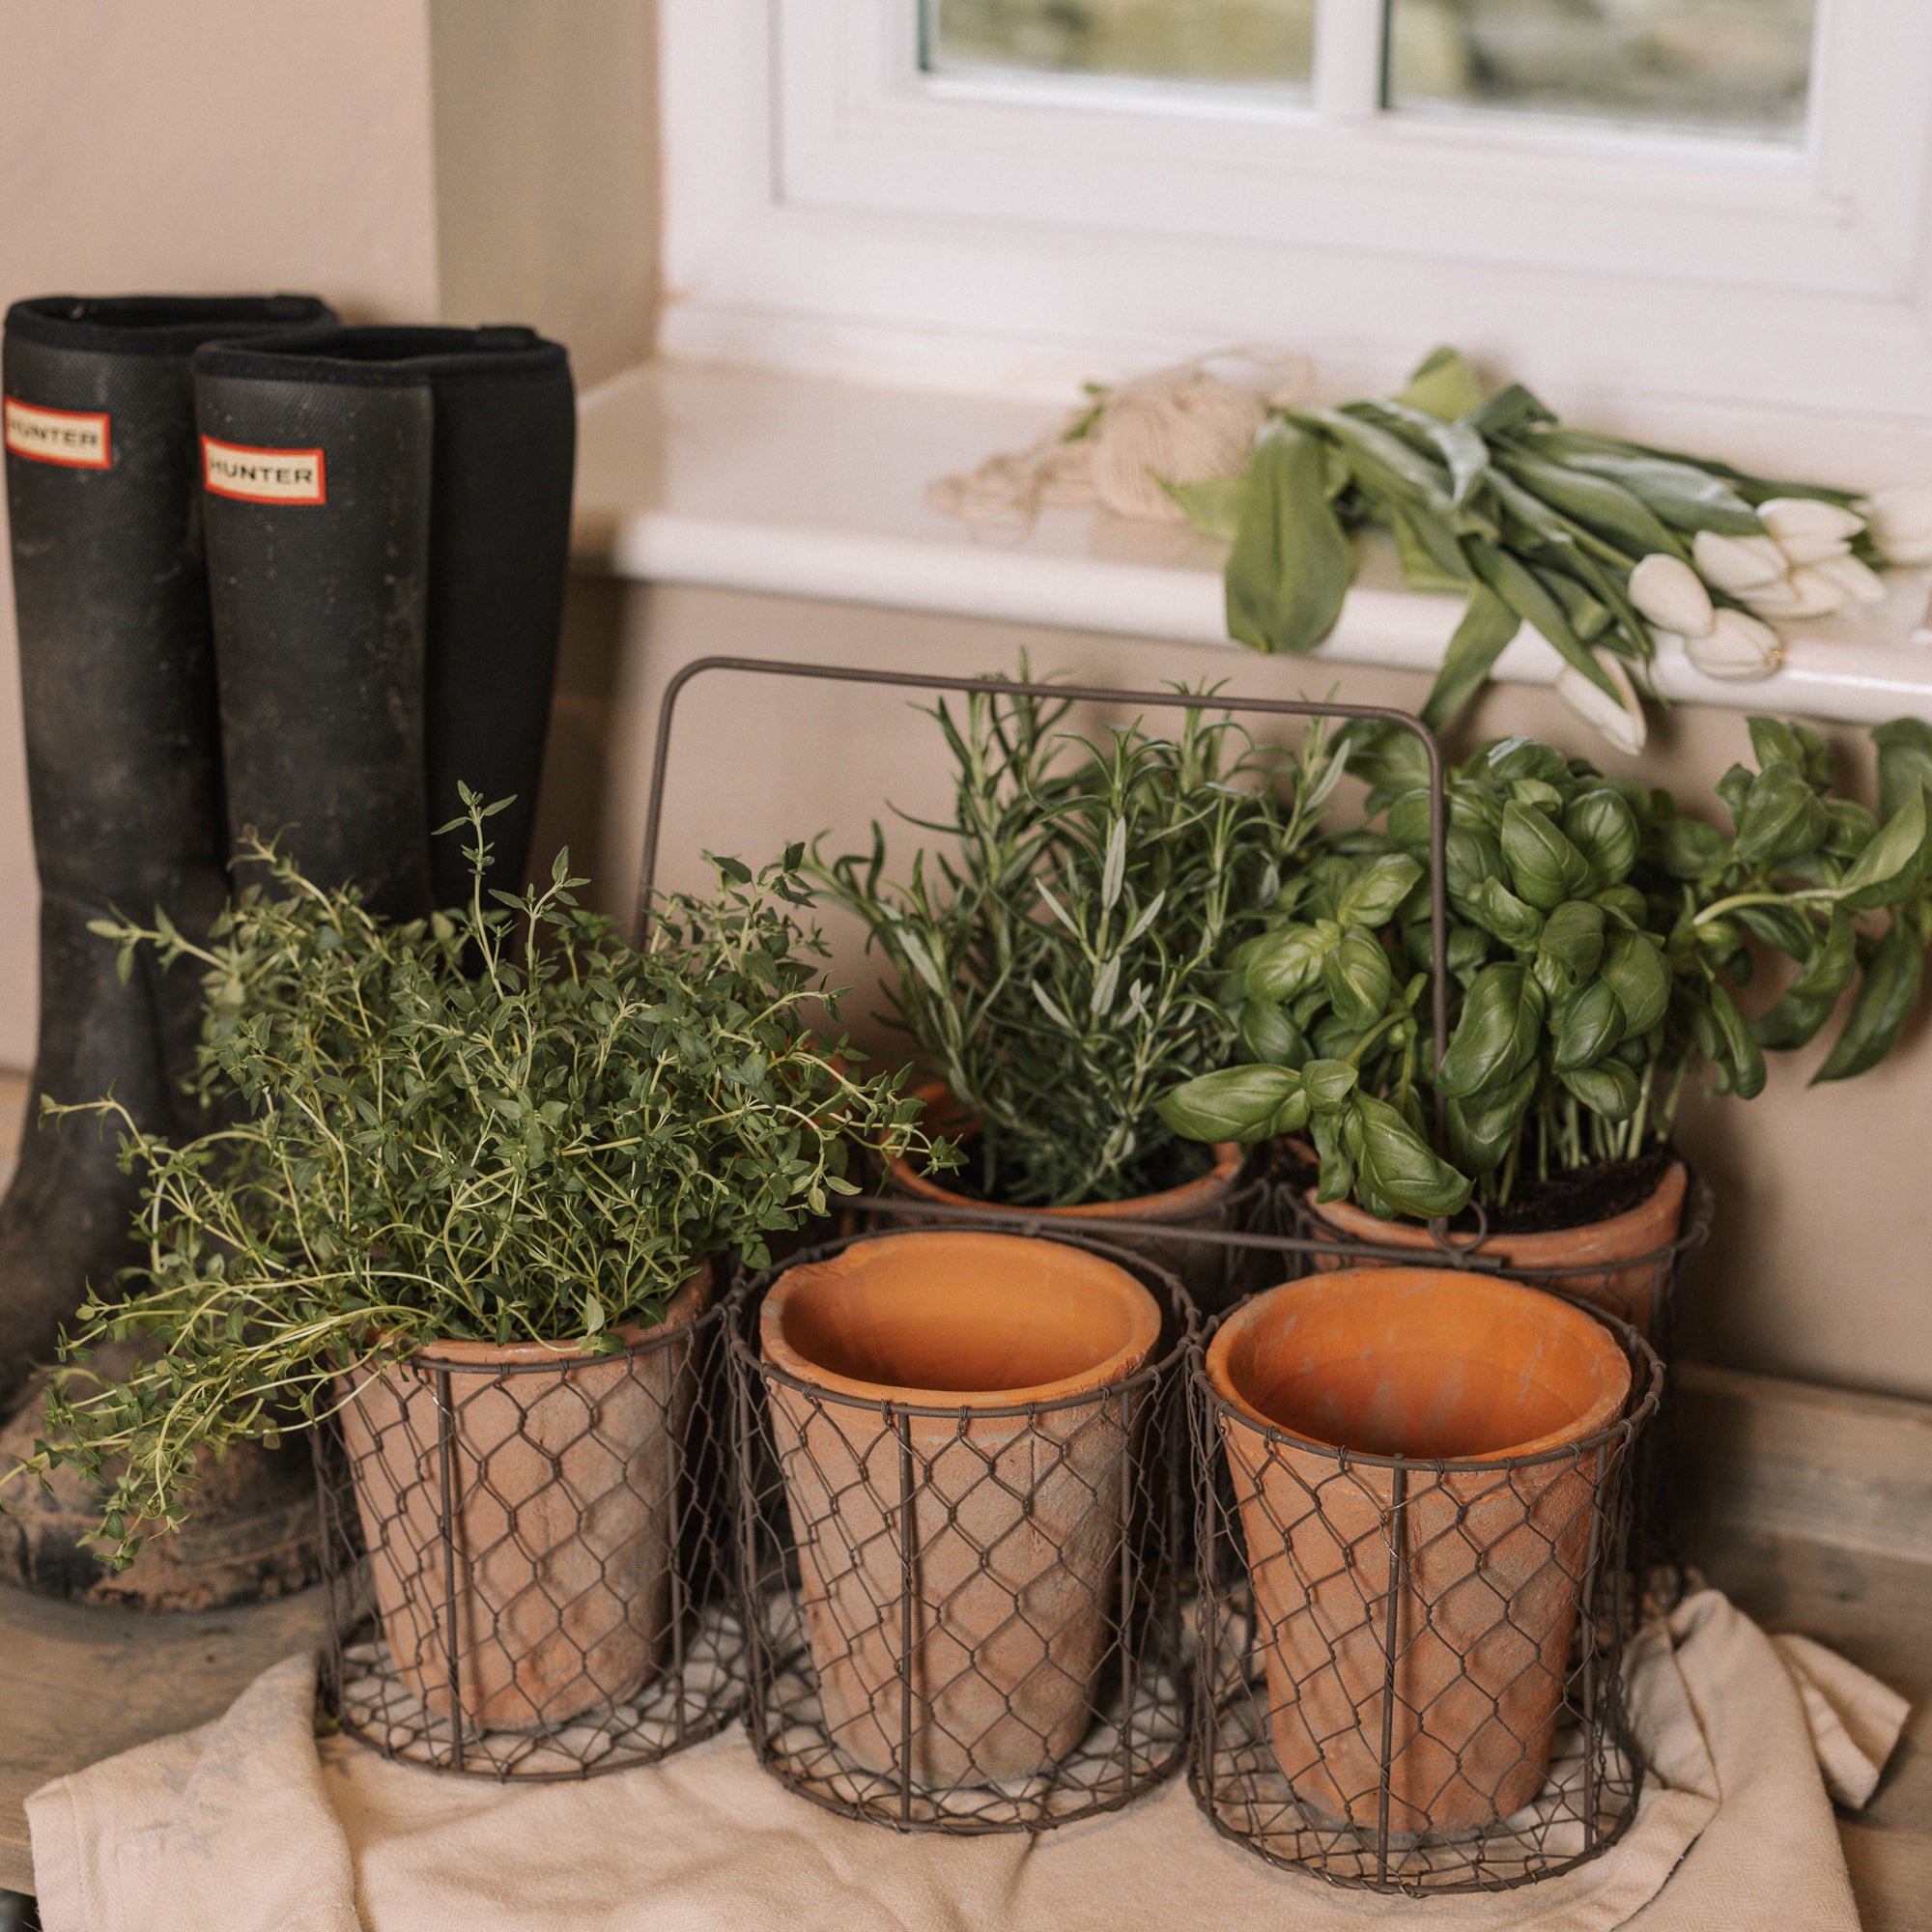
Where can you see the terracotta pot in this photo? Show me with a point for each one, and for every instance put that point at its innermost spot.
(563, 1483)
(1601, 1263)
(1017, 1519)
(1206, 1202)
(1416, 1363)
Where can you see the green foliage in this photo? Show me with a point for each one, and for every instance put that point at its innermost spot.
(503, 1124)
(1597, 944)
(1490, 498)
(1055, 962)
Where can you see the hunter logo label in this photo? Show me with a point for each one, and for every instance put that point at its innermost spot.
(262, 475)
(75, 438)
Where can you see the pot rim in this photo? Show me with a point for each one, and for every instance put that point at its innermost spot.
(467, 1357)
(1609, 1412)
(1202, 1195)
(1543, 1249)
(777, 1355)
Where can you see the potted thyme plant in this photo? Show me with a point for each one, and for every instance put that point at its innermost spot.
(498, 1140)
(1600, 945)
(1056, 962)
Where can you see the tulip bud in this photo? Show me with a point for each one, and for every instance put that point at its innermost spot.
(1804, 593)
(1620, 720)
(1671, 595)
(1807, 520)
(1738, 563)
(1857, 579)
(1814, 550)
(1738, 647)
(1901, 522)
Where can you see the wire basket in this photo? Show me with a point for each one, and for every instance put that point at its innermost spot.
(527, 1552)
(964, 1618)
(1409, 1669)
(1639, 1286)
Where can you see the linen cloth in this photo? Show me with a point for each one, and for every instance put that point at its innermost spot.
(251, 1824)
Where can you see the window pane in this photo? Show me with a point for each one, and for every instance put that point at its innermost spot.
(1726, 66)
(1247, 43)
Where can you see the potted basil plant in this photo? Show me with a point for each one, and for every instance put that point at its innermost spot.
(497, 1150)
(1601, 948)
(1055, 961)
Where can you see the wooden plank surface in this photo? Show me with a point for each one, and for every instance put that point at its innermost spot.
(80, 1683)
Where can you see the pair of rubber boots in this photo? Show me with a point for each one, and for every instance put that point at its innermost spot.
(272, 573)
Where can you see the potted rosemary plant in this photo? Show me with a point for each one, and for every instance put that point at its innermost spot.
(1600, 945)
(494, 1149)
(1055, 963)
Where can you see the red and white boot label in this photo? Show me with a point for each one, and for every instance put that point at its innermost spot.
(262, 475)
(75, 438)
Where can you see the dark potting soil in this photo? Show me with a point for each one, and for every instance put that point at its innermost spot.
(1572, 1198)
(1174, 1165)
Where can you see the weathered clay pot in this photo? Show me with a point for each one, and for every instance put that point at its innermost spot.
(1601, 1263)
(1210, 1278)
(1434, 1364)
(1017, 1519)
(562, 1492)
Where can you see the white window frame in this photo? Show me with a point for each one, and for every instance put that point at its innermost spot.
(832, 210)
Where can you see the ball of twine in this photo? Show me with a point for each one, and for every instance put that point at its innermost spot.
(1185, 424)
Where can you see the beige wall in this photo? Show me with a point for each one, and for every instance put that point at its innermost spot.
(1819, 1264)
(546, 170)
(200, 146)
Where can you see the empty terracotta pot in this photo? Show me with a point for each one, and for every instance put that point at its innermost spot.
(1489, 1564)
(1206, 1202)
(1007, 1581)
(1601, 1263)
(562, 1504)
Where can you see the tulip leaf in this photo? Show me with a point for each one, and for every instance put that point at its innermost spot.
(1443, 385)
(1215, 506)
(1488, 626)
(1290, 565)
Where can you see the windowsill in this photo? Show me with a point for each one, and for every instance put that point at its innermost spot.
(797, 486)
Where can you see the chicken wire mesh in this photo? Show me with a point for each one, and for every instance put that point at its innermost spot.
(528, 1559)
(1410, 1670)
(965, 1618)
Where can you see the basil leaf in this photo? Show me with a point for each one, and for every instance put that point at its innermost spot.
(1287, 962)
(1633, 968)
(1512, 758)
(1884, 1004)
(1587, 1028)
(1686, 848)
(1271, 1035)
(1337, 1179)
(1893, 863)
(1498, 1033)
(1609, 1089)
(1741, 1068)
(1848, 825)
(1483, 1126)
(1781, 816)
(1601, 826)
(1625, 904)
(1772, 739)
(1545, 867)
(1328, 1083)
(1782, 926)
(1358, 979)
(1234, 1103)
(1375, 894)
(1806, 1004)
(1401, 1167)
(1497, 910)
(1904, 760)
(1573, 934)
(1468, 950)
(1470, 859)
(1290, 565)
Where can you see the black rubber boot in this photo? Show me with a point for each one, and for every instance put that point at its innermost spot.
(388, 523)
(123, 770)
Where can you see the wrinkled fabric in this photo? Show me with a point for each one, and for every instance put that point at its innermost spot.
(248, 1825)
